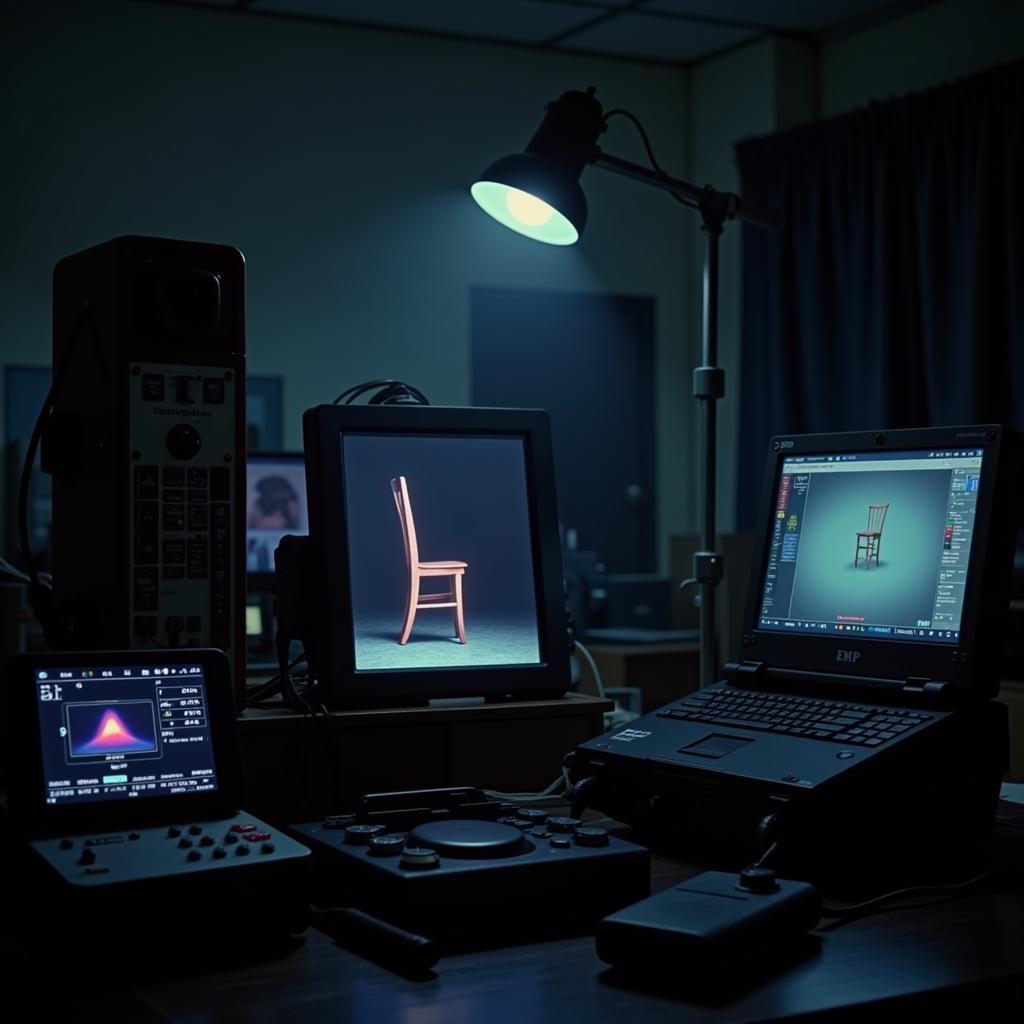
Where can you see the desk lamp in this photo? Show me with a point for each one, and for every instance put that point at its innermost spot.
(537, 193)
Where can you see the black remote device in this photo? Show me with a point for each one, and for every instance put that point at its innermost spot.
(709, 921)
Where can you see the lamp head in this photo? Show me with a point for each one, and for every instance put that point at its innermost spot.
(537, 192)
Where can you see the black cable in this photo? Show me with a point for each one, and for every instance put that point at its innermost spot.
(390, 392)
(854, 910)
(84, 314)
(650, 152)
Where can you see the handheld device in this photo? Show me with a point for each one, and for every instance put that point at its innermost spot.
(126, 789)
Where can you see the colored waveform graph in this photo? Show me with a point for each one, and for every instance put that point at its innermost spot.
(121, 727)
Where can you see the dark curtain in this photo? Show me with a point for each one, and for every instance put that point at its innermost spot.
(894, 296)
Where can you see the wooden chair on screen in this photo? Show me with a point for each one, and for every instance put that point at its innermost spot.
(415, 601)
(870, 540)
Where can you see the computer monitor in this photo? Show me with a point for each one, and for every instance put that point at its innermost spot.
(275, 506)
(436, 553)
(880, 554)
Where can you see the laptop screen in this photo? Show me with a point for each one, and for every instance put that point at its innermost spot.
(872, 543)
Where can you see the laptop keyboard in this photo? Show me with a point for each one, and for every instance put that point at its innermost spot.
(849, 724)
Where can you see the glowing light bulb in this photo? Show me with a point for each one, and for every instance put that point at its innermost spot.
(528, 209)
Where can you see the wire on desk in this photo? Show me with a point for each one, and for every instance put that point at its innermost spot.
(589, 658)
(879, 903)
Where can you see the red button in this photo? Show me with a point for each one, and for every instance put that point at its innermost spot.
(243, 828)
(256, 837)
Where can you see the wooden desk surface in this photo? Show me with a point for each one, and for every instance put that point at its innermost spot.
(962, 955)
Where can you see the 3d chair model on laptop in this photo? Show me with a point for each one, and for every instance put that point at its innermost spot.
(415, 601)
(857, 718)
(869, 541)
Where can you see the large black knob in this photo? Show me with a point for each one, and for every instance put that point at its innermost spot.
(184, 441)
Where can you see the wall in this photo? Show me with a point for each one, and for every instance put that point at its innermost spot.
(776, 83)
(337, 159)
(940, 43)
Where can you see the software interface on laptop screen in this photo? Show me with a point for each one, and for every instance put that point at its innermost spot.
(434, 522)
(872, 543)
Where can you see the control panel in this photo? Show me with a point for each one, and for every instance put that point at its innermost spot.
(183, 449)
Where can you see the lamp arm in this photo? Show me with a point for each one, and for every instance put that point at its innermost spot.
(727, 204)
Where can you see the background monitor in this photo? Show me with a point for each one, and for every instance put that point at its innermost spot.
(275, 506)
(435, 536)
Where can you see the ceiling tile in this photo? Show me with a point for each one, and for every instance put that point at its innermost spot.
(651, 38)
(795, 15)
(521, 21)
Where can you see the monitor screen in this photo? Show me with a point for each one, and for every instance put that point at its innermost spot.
(435, 569)
(875, 544)
(124, 732)
(441, 553)
(275, 506)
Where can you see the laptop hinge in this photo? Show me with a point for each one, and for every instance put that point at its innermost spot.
(922, 686)
(735, 671)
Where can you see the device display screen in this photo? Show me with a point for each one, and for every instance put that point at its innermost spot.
(124, 732)
(872, 543)
(275, 506)
(439, 531)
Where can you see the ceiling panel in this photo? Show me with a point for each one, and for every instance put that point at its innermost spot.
(796, 15)
(665, 39)
(522, 21)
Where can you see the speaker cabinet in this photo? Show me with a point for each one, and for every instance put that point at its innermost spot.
(146, 445)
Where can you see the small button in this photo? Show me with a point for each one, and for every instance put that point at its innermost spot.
(207, 841)
(184, 843)
(589, 835)
(534, 814)
(242, 851)
(386, 846)
(194, 855)
(220, 853)
(561, 842)
(419, 858)
(845, 755)
(267, 848)
(560, 823)
(174, 831)
(256, 837)
(230, 838)
(66, 844)
(243, 828)
(88, 857)
(360, 835)
(194, 830)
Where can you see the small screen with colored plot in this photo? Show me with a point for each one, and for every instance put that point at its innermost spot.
(124, 732)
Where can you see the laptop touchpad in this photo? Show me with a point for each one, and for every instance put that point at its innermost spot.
(715, 745)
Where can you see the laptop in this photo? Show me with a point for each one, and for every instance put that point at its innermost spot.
(874, 623)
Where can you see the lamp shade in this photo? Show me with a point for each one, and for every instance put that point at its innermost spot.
(537, 192)
(534, 195)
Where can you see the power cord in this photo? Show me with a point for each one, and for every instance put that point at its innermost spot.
(880, 903)
(389, 392)
(621, 715)
(39, 593)
(619, 112)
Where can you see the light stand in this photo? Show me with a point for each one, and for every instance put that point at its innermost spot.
(542, 199)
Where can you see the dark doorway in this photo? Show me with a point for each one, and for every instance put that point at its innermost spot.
(589, 360)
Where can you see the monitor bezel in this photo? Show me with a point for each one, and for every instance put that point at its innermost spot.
(24, 745)
(262, 582)
(344, 686)
(969, 665)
